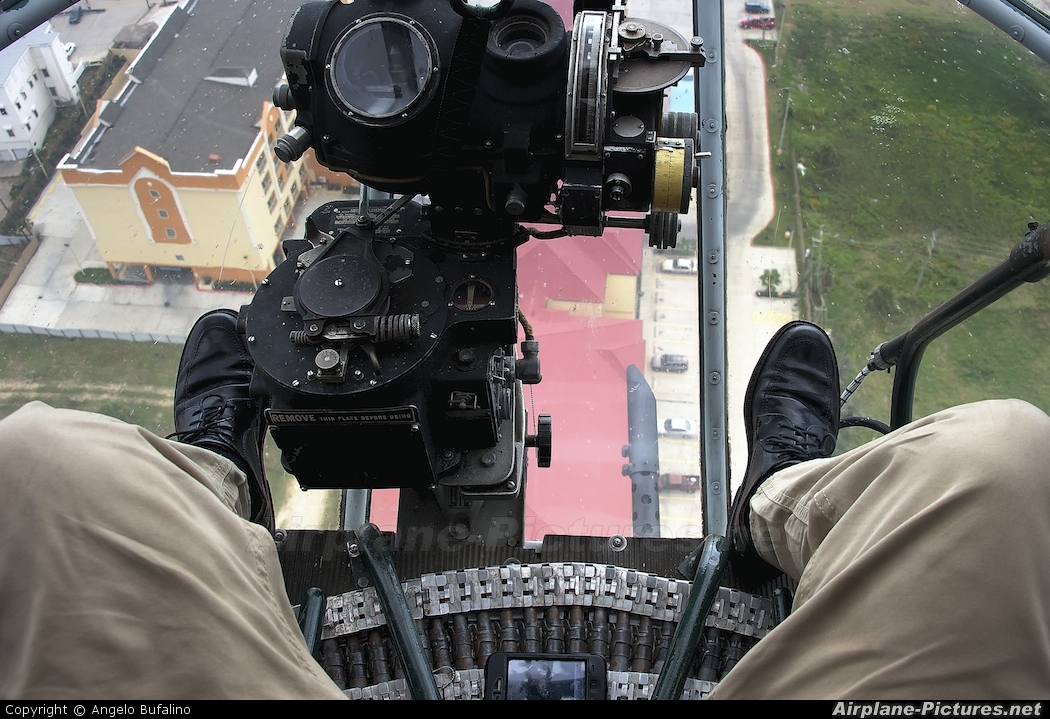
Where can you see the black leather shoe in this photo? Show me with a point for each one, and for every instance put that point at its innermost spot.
(214, 408)
(791, 414)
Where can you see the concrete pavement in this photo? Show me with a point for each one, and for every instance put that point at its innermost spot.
(47, 300)
(751, 320)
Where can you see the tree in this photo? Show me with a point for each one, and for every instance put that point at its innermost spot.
(770, 281)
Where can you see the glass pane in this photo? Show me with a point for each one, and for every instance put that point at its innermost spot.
(879, 161)
(909, 156)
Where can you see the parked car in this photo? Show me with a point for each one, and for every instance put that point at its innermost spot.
(682, 482)
(679, 267)
(762, 23)
(670, 363)
(70, 48)
(757, 8)
(76, 14)
(677, 427)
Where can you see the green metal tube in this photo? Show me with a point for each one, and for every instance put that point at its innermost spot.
(709, 571)
(311, 618)
(375, 554)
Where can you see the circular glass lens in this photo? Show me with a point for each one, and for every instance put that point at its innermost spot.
(381, 67)
(520, 36)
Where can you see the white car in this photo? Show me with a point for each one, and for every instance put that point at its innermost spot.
(70, 48)
(677, 427)
(679, 267)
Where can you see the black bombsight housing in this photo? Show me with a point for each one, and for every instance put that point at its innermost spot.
(384, 344)
(498, 117)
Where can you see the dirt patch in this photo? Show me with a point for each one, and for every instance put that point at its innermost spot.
(81, 392)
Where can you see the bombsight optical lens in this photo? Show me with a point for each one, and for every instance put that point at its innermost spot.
(380, 68)
(520, 36)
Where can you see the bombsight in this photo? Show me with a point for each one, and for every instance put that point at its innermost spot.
(385, 343)
(499, 119)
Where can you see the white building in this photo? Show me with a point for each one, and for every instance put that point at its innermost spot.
(36, 77)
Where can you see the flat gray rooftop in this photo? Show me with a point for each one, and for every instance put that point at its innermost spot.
(179, 114)
(10, 55)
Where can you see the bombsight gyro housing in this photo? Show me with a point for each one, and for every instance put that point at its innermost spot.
(385, 343)
(500, 119)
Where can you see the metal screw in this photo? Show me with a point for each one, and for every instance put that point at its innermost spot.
(295, 383)
(353, 549)
(251, 338)
(358, 374)
(266, 281)
(313, 328)
(372, 382)
(310, 374)
(338, 283)
(617, 542)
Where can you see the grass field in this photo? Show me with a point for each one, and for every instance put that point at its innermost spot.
(923, 135)
(132, 381)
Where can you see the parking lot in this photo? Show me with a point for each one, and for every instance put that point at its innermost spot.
(100, 21)
(669, 308)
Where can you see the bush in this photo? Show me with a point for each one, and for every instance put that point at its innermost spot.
(95, 276)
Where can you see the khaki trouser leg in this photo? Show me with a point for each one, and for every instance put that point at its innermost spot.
(125, 574)
(924, 564)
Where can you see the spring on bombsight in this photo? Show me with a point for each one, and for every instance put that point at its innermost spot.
(391, 328)
(388, 328)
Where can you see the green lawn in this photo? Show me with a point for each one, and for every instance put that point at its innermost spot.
(924, 134)
(132, 381)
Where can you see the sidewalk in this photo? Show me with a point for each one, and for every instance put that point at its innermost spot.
(47, 300)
